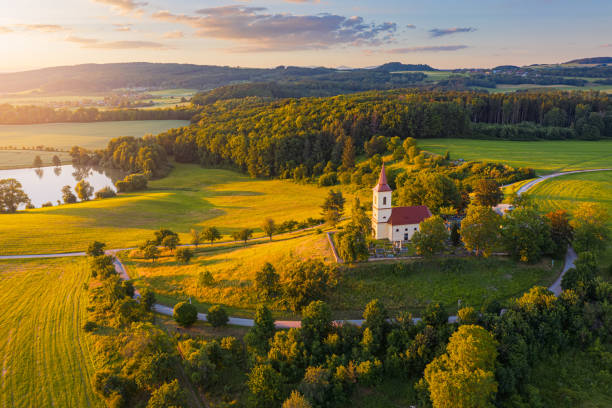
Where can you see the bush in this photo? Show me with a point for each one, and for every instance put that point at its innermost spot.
(183, 255)
(217, 316)
(185, 314)
(105, 192)
(89, 326)
(168, 395)
(132, 182)
(328, 179)
(47, 204)
(96, 248)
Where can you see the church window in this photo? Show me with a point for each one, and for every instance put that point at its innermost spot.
(384, 200)
(397, 230)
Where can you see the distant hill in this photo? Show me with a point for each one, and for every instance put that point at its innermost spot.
(593, 60)
(105, 77)
(506, 68)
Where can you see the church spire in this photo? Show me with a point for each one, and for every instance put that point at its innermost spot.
(382, 181)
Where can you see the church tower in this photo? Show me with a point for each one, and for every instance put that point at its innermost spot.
(381, 206)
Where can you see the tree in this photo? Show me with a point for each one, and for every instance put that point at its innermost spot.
(348, 154)
(464, 377)
(68, 196)
(480, 229)
(455, 237)
(185, 314)
(262, 331)
(56, 160)
(309, 280)
(582, 276)
(211, 234)
(269, 228)
(168, 395)
(333, 207)
(561, 232)
(171, 242)
(84, 190)
(434, 190)
(96, 249)
(267, 282)
(11, 195)
(526, 235)
(217, 316)
(430, 237)
(162, 234)
(147, 299)
(359, 218)
(242, 235)
(266, 386)
(183, 255)
(150, 251)
(487, 193)
(352, 245)
(205, 279)
(37, 162)
(296, 400)
(590, 228)
(196, 237)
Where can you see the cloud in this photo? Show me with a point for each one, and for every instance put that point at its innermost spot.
(258, 30)
(115, 45)
(174, 34)
(302, 1)
(440, 32)
(46, 28)
(123, 6)
(123, 27)
(411, 26)
(4, 30)
(433, 48)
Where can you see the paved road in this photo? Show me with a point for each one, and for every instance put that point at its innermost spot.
(570, 257)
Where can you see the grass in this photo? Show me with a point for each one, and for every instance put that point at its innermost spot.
(505, 88)
(189, 197)
(567, 192)
(391, 393)
(45, 360)
(574, 379)
(544, 156)
(94, 135)
(13, 159)
(233, 267)
(475, 282)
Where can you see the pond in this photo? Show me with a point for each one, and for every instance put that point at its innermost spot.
(45, 184)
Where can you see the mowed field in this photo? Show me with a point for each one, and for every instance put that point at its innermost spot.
(544, 156)
(13, 159)
(189, 197)
(233, 267)
(567, 192)
(43, 348)
(94, 135)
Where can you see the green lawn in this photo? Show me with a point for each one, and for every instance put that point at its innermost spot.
(475, 281)
(44, 351)
(94, 135)
(544, 156)
(566, 192)
(189, 197)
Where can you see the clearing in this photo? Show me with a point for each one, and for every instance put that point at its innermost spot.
(544, 156)
(44, 350)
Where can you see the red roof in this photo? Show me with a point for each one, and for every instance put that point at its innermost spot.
(382, 181)
(409, 215)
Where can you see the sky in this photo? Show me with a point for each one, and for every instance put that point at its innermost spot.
(332, 33)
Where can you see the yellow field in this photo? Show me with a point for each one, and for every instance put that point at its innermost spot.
(43, 348)
(14, 159)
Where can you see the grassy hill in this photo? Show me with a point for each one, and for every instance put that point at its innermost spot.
(544, 156)
(43, 349)
(189, 197)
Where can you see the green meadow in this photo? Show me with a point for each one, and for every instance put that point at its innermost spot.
(43, 348)
(93, 135)
(190, 197)
(544, 156)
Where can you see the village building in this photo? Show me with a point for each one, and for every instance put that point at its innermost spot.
(397, 224)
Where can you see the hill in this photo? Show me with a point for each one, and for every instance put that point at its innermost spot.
(593, 60)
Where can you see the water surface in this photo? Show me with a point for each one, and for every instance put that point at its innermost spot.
(45, 184)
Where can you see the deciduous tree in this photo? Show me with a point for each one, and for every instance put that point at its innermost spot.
(84, 190)
(333, 207)
(480, 229)
(430, 237)
(211, 234)
(11, 195)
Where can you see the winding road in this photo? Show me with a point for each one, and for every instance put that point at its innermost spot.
(570, 257)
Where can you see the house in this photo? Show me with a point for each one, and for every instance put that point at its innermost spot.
(397, 224)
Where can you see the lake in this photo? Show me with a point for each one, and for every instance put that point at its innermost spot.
(45, 184)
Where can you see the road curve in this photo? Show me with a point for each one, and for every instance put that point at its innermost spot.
(570, 257)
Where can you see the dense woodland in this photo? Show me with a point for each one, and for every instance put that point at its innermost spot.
(28, 114)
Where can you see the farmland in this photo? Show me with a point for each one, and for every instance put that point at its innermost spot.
(544, 156)
(189, 197)
(44, 351)
(94, 135)
(13, 159)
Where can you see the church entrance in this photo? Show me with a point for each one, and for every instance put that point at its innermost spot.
(405, 237)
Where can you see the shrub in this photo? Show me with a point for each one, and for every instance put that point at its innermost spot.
(370, 372)
(147, 299)
(89, 326)
(185, 314)
(217, 316)
(183, 255)
(96, 248)
(168, 395)
(132, 182)
(102, 266)
(47, 204)
(105, 192)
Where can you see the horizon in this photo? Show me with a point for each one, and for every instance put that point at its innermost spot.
(332, 33)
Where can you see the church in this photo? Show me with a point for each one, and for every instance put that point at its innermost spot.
(397, 224)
